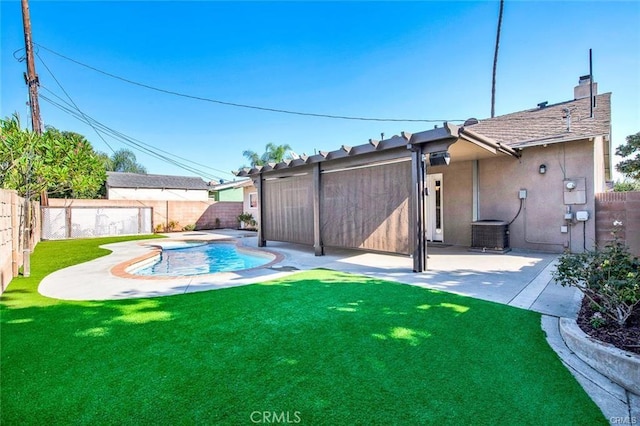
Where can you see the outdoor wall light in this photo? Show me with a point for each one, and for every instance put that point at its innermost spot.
(542, 169)
(440, 158)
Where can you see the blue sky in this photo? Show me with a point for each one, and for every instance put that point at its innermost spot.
(407, 60)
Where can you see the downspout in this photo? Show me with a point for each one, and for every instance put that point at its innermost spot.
(475, 208)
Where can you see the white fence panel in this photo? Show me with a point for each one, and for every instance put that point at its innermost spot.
(83, 222)
(54, 223)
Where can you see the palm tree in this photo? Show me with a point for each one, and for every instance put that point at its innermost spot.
(273, 154)
(253, 157)
(124, 160)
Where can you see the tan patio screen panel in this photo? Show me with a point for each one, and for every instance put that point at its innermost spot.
(288, 209)
(367, 207)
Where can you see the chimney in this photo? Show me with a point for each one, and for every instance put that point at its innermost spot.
(582, 90)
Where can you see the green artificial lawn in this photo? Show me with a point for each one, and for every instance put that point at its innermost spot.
(318, 347)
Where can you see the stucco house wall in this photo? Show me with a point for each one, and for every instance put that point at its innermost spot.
(230, 194)
(538, 226)
(494, 173)
(246, 203)
(599, 161)
(457, 199)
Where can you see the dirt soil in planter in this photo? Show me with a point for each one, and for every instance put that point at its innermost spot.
(626, 338)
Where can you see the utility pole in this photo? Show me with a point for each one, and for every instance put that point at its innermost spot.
(32, 83)
(495, 62)
(31, 76)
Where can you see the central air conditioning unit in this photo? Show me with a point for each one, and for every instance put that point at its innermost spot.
(490, 235)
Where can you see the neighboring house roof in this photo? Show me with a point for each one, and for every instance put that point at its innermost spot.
(233, 184)
(135, 180)
(549, 124)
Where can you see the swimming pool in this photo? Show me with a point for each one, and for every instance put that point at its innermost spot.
(188, 258)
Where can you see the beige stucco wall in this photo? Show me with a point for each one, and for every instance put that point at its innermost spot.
(457, 201)
(538, 225)
(599, 165)
(157, 194)
(246, 207)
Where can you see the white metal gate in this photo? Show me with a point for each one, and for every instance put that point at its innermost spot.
(80, 222)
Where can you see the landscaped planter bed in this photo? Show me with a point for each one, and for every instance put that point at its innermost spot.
(622, 367)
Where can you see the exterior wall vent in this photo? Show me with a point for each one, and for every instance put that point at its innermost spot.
(490, 235)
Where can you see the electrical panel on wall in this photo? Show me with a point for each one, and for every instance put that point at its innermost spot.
(575, 191)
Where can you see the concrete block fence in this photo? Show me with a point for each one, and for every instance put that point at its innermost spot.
(12, 223)
(202, 214)
(619, 211)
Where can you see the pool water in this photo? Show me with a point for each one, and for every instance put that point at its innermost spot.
(197, 259)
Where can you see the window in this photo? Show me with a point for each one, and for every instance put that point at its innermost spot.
(253, 200)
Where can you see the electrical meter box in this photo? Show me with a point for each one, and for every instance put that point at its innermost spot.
(582, 216)
(575, 191)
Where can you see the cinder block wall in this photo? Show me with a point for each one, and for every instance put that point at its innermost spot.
(203, 214)
(623, 208)
(9, 244)
(12, 234)
(226, 211)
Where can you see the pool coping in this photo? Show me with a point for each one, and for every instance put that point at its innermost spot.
(122, 269)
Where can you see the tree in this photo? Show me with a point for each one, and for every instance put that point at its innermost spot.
(61, 163)
(273, 154)
(124, 160)
(630, 167)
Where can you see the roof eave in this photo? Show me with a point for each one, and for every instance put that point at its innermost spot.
(486, 143)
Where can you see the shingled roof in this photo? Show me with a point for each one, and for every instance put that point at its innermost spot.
(135, 180)
(508, 134)
(549, 124)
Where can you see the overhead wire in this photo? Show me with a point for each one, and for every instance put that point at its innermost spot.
(131, 144)
(235, 104)
(71, 100)
(90, 122)
(75, 111)
(129, 141)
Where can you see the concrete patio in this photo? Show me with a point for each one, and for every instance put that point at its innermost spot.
(518, 278)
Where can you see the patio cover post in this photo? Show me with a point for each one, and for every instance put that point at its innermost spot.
(317, 237)
(261, 241)
(422, 144)
(418, 221)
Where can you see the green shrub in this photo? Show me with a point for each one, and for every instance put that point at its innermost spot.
(597, 320)
(244, 217)
(189, 227)
(626, 185)
(608, 277)
(248, 220)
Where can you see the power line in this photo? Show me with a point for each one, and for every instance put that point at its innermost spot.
(74, 104)
(234, 104)
(129, 141)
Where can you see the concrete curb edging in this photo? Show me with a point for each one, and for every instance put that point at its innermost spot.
(620, 366)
